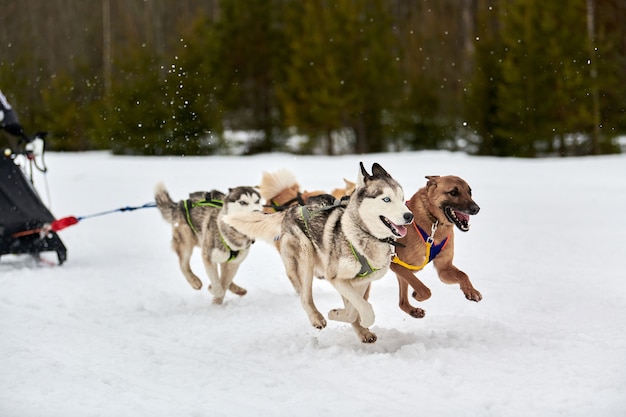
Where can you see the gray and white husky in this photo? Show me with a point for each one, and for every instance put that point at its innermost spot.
(198, 221)
(347, 242)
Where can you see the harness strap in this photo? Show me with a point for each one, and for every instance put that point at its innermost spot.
(233, 253)
(204, 203)
(366, 268)
(431, 252)
(297, 199)
(208, 203)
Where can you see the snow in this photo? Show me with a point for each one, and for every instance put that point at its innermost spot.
(117, 331)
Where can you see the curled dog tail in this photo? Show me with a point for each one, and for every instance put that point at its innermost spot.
(164, 202)
(256, 224)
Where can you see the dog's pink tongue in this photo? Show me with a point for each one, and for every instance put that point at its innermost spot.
(401, 230)
(462, 216)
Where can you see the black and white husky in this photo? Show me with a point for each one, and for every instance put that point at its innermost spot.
(347, 242)
(197, 221)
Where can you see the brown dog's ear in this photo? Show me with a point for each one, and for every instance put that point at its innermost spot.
(432, 180)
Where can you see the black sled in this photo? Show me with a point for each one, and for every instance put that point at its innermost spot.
(24, 219)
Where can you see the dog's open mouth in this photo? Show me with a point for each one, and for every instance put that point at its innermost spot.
(460, 219)
(396, 229)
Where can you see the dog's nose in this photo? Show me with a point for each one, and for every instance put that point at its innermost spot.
(474, 209)
(408, 217)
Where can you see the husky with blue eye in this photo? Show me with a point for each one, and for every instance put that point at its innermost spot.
(348, 242)
(198, 221)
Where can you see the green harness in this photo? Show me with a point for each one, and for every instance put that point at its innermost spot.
(214, 203)
(366, 268)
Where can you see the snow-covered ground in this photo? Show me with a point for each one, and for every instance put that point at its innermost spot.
(117, 331)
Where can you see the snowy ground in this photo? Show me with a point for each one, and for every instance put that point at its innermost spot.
(117, 331)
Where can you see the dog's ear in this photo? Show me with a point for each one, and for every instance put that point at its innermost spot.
(432, 180)
(363, 176)
(378, 171)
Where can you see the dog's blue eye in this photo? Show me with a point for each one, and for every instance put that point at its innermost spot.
(386, 199)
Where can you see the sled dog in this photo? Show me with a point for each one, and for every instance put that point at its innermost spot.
(280, 190)
(198, 221)
(347, 242)
(443, 204)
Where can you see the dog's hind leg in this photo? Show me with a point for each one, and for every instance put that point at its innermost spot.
(236, 289)
(298, 262)
(184, 252)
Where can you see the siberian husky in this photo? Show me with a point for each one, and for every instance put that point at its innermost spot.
(197, 221)
(347, 242)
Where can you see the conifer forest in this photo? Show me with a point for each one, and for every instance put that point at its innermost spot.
(523, 78)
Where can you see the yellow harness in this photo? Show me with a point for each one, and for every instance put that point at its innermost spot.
(400, 262)
(428, 242)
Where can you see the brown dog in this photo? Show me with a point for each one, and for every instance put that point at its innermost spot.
(444, 203)
(281, 190)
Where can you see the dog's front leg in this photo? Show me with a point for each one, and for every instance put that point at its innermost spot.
(350, 315)
(449, 274)
(216, 287)
(228, 271)
(356, 297)
(406, 278)
(363, 333)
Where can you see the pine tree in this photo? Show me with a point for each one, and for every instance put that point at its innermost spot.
(247, 60)
(342, 71)
(541, 96)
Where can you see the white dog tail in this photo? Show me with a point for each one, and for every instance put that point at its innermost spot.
(256, 224)
(164, 202)
(273, 183)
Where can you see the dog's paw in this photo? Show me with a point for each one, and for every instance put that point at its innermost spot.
(236, 289)
(472, 294)
(195, 283)
(417, 313)
(341, 314)
(218, 294)
(368, 337)
(317, 320)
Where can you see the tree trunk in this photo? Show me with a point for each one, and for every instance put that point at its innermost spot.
(595, 95)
